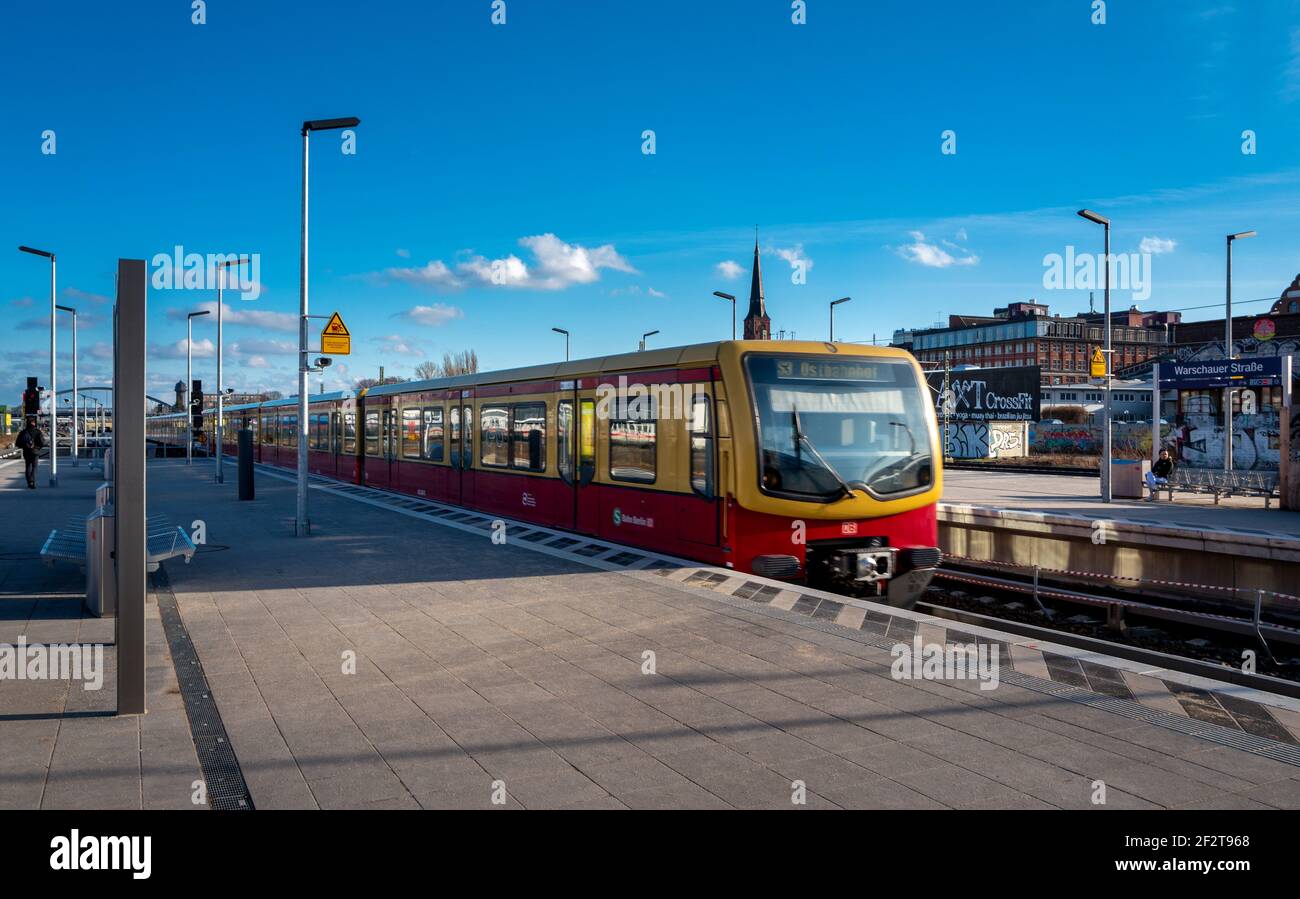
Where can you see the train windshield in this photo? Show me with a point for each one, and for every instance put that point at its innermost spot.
(832, 427)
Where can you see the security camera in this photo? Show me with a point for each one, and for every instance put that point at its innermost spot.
(324, 362)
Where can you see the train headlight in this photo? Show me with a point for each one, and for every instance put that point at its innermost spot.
(873, 565)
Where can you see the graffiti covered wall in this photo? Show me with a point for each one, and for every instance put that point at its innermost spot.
(1196, 440)
(988, 440)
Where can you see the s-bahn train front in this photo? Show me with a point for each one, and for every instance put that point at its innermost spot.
(836, 467)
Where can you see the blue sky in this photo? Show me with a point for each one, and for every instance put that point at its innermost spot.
(523, 143)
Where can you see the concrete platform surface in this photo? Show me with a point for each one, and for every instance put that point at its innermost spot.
(391, 661)
(1079, 495)
(61, 745)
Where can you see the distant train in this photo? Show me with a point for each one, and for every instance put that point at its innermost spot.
(801, 461)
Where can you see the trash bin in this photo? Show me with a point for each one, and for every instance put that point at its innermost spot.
(1128, 478)
(101, 574)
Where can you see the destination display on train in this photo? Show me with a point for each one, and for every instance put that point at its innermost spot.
(827, 370)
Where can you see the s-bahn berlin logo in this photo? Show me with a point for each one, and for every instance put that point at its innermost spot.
(638, 520)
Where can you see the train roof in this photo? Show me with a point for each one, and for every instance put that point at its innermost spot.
(666, 357)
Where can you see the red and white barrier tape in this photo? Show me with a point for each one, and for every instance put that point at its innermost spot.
(1124, 577)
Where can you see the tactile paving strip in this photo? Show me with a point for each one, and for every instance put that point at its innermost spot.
(222, 775)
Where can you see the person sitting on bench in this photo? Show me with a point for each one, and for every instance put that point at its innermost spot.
(1160, 474)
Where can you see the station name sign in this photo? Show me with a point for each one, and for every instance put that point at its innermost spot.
(989, 394)
(1219, 373)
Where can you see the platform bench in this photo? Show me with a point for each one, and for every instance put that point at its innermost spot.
(1222, 483)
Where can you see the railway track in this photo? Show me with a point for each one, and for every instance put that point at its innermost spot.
(1200, 641)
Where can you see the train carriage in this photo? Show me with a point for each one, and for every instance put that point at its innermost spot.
(795, 460)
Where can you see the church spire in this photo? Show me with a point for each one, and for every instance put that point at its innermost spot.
(757, 325)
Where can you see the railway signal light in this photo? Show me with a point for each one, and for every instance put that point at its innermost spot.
(196, 404)
(31, 398)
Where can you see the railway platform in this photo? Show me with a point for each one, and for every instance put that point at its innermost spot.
(402, 657)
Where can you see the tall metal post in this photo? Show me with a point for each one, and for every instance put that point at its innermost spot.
(189, 390)
(301, 525)
(1227, 355)
(221, 474)
(74, 381)
(130, 482)
(1106, 495)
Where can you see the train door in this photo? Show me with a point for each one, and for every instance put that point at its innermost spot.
(576, 458)
(697, 511)
(392, 443)
(467, 447)
(454, 453)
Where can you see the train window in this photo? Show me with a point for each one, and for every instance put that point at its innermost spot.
(467, 420)
(334, 433)
(411, 442)
(372, 434)
(587, 438)
(701, 434)
(457, 459)
(289, 430)
(350, 433)
(495, 436)
(268, 429)
(829, 428)
(564, 455)
(632, 442)
(433, 433)
(322, 429)
(528, 436)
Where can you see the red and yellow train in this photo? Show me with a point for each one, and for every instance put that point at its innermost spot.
(796, 460)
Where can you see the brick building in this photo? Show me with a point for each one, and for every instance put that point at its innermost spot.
(1027, 334)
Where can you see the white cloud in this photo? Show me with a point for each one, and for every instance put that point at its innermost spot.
(654, 293)
(404, 253)
(399, 345)
(931, 255)
(72, 293)
(257, 362)
(1291, 74)
(434, 274)
(1156, 245)
(202, 348)
(556, 265)
(795, 256)
(729, 269)
(431, 316)
(239, 315)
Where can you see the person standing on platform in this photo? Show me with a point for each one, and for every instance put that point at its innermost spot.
(31, 441)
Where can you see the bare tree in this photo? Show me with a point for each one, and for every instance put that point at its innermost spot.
(375, 382)
(463, 363)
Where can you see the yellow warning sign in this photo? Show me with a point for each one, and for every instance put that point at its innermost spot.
(336, 339)
(1098, 366)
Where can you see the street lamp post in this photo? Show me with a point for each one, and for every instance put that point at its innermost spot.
(727, 296)
(74, 380)
(54, 371)
(835, 303)
(566, 341)
(189, 381)
(1227, 354)
(301, 525)
(643, 337)
(1105, 414)
(220, 447)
